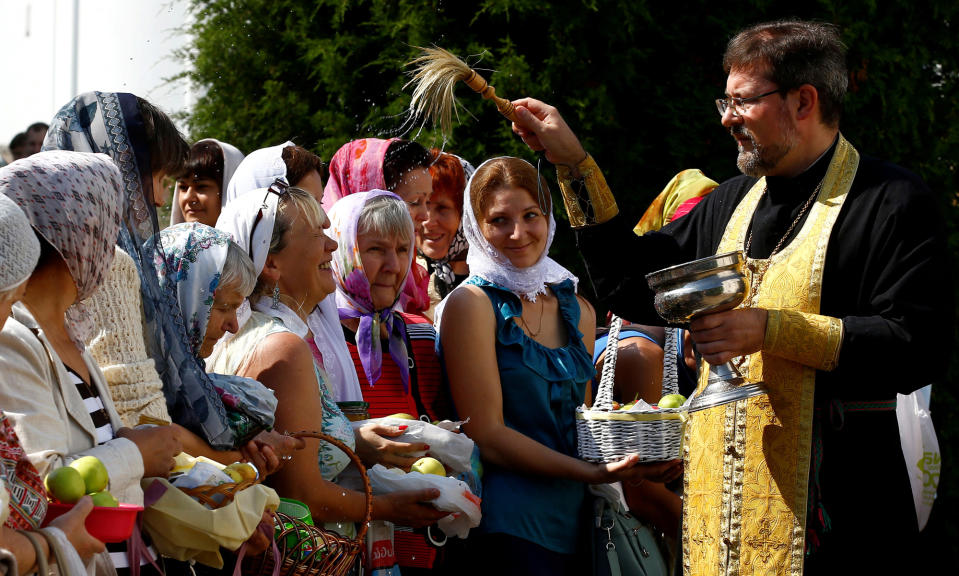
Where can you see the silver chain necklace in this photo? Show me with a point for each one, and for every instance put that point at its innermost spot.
(759, 270)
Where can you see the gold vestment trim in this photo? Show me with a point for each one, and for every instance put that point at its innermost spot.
(600, 199)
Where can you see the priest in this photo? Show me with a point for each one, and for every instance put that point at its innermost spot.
(849, 304)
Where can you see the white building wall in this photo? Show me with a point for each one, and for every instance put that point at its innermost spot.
(120, 46)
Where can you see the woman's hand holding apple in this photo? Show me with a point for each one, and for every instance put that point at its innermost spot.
(374, 447)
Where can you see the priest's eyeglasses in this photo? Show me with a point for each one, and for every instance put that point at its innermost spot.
(741, 105)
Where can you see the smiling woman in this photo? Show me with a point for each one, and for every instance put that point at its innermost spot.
(440, 242)
(374, 233)
(517, 346)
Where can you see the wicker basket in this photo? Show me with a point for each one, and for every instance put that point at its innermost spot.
(311, 550)
(607, 435)
(207, 495)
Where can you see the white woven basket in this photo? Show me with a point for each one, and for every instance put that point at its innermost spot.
(607, 435)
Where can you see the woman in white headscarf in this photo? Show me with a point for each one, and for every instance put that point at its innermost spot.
(282, 229)
(299, 167)
(200, 187)
(517, 344)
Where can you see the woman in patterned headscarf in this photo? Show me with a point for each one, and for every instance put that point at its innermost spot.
(54, 392)
(146, 146)
(400, 167)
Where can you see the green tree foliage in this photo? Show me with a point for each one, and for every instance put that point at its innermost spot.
(636, 79)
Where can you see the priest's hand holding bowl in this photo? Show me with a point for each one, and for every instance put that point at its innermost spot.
(723, 336)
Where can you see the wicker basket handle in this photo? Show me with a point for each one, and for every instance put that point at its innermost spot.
(604, 395)
(670, 362)
(361, 533)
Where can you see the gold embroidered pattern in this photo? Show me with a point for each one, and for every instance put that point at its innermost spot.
(810, 339)
(766, 443)
(600, 201)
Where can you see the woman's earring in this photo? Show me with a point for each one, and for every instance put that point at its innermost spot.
(276, 297)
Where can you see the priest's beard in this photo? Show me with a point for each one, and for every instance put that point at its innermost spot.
(761, 159)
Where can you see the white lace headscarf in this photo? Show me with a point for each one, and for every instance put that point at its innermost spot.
(490, 264)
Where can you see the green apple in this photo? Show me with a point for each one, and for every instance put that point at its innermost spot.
(428, 465)
(402, 416)
(65, 485)
(105, 499)
(672, 401)
(93, 472)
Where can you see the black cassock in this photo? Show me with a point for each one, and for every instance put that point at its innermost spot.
(887, 275)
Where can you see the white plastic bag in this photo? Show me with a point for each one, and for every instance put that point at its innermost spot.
(452, 449)
(455, 496)
(920, 447)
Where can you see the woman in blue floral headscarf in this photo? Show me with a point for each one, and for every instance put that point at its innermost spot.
(146, 146)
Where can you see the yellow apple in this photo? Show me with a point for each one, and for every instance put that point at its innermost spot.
(402, 416)
(65, 485)
(245, 470)
(428, 465)
(93, 472)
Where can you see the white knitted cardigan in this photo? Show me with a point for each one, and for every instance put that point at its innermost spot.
(118, 345)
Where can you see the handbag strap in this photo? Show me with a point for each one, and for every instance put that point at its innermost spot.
(136, 547)
(43, 568)
(270, 533)
(604, 396)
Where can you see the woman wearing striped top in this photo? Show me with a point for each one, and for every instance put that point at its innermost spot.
(53, 393)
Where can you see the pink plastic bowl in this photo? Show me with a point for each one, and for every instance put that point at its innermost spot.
(104, 523)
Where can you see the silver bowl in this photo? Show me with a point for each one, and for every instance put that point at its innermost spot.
(706, 286)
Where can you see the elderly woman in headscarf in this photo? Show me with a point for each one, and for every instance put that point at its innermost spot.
(517, 341)
(393, 351)
(200, 187)
(400, 167)
(145, 145)
(23, 502)
(53, 391)
(281, 227)
(440, 242)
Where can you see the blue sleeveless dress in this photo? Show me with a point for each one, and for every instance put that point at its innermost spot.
(541, 389)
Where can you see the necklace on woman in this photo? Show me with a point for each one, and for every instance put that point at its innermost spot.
(539, 327)
(759, 266)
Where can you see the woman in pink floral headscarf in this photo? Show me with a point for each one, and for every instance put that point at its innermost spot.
(398, 166)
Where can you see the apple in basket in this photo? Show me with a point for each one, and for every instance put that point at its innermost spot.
(672, 401)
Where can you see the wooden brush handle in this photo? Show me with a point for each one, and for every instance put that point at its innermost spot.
(481, 86)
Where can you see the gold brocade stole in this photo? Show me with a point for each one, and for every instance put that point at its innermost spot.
(747, 464)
